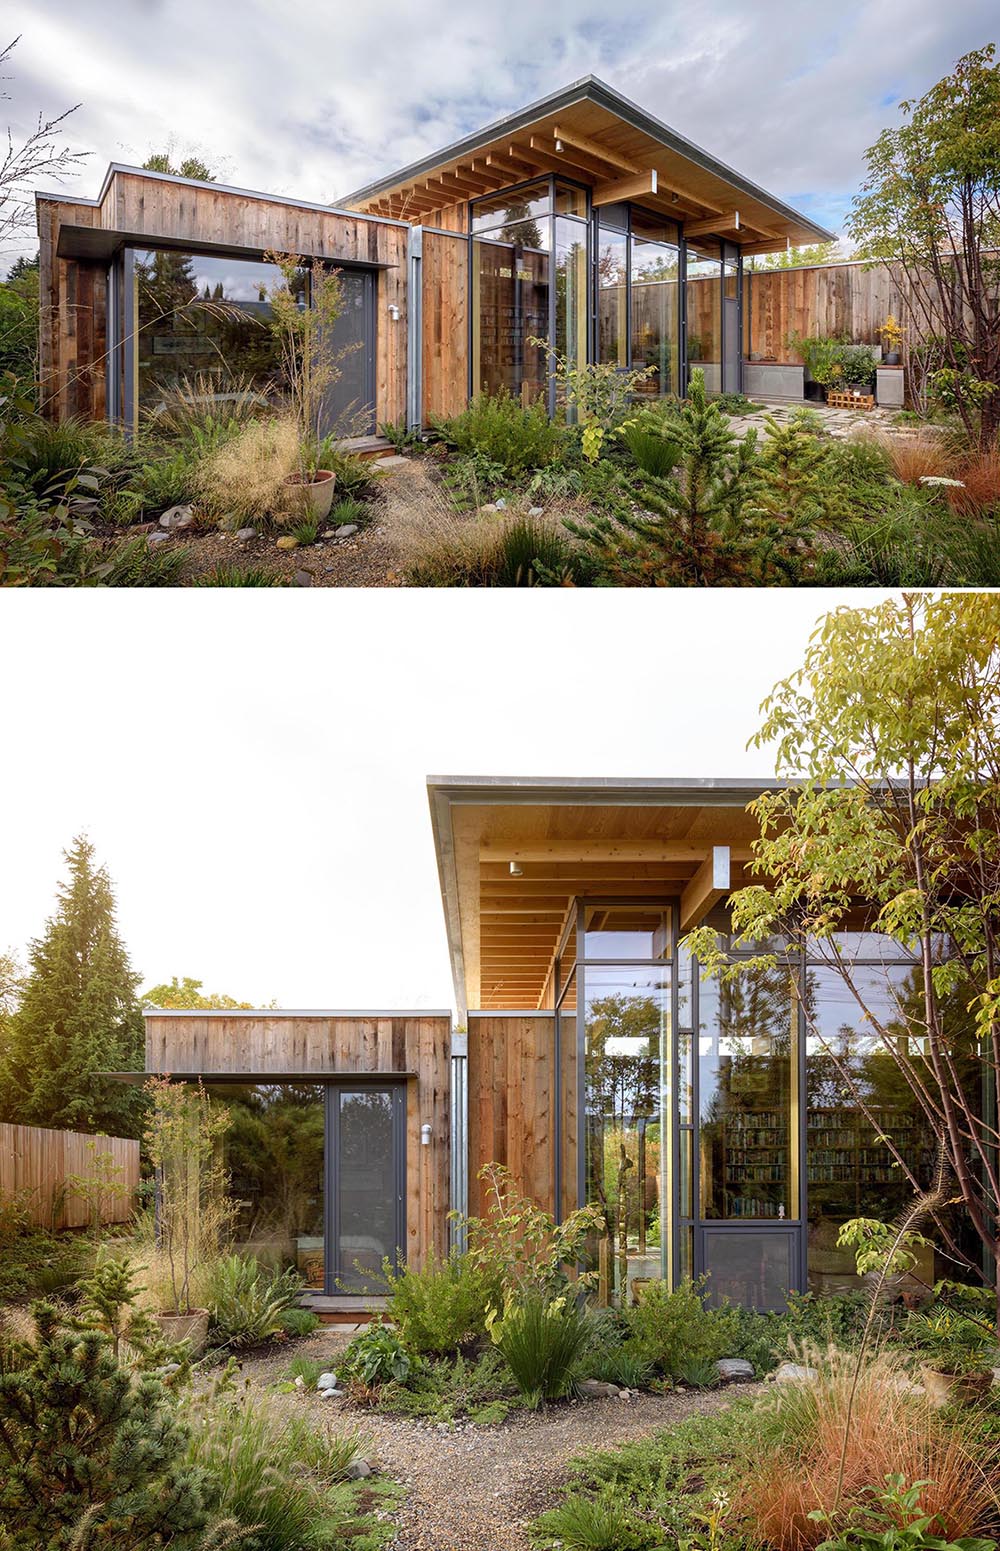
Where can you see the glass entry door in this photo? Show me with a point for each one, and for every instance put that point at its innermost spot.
(365, 1184)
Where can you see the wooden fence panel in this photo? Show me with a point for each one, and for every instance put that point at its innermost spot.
(827, 300)
(36, 1163)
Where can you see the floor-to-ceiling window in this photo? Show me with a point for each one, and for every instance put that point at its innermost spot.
(703, 296)
(638, 295)
(529, 284)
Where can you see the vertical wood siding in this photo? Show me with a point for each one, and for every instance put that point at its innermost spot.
(338, 1045)
(445, 314)
(36, 1163)
(511, 1103)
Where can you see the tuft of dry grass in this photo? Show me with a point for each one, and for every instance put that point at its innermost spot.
(893, 1432)
(243, 480)
(979, 472)
(208, 396)
(919, 454)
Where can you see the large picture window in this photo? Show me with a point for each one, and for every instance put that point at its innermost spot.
(638, 295)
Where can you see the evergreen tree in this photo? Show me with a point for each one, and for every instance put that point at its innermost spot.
(93, 1454)
(689, 530)
(78, 1016)
(794, 496)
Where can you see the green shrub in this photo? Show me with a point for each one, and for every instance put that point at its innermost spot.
(624, 1365)
(137, 563)
(518, 437)
(92, 1453)
(169, 481)
(223, 575)
(673, 1329)
(596, 1524)
(299, 1322)
(450, 1388)
(349, 509)
(279, 1477)
(377, 1356)
(542, 1340)
(444, 1306)
(50, 451)
(306, 530)
(354, 475)
(246, 1302)
(531, 553)
(653, 449)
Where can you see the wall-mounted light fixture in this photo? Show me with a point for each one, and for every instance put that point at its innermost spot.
(515, 870)
(425, 1134)
(394, 312)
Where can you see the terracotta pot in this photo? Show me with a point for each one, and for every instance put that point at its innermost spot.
(954, 1389)
(192, 1328)
(317, 492)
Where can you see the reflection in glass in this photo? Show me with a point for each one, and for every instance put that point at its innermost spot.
(745, 1136)
(366, 1186)
(626, 932)
(571, 294)
(273, 1154)
(511, 307)
(500, 213)
(655, 315)
(204, 316)
(612, 296)
(704, 314)
(626, 1027)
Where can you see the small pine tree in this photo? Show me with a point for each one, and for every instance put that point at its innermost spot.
(78, 1016)
(93, 1455)
(792, 499)
(689, 532)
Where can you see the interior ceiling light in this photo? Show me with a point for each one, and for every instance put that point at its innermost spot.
(515, 870)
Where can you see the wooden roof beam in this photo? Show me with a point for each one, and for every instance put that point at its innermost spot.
(710, 884)
(651, 850)
(616, 189)
(468, 179)
(569, 137)
(727, 221)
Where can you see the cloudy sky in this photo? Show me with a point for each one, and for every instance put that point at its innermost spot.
(254, 778)
(314, 101)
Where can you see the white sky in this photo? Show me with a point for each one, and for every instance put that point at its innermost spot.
(251, 766)
(314, 102)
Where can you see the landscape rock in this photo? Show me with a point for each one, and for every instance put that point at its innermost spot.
(489, 507)
(357, 1470)
(596, 1389)
(177, 517)
(734, 1369)
(303, 578)
(795, 1373)
(157, 538)
(287, 542)
(346, 531)
(329, 1394)
(536, 511)
(328, 533)
(246, 534)
(326, 1381)
(300, 1382)
(501, 504)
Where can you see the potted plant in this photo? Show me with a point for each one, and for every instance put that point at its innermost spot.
(958, 1354)
(819, 357)
(857, 368)
(892, 339)
(193, 1213)
(305, 306)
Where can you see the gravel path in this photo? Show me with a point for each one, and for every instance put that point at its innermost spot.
(476, 1488)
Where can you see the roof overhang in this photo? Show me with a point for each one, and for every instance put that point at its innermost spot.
(99, 244)
(590, 838)
(137, 1079)
(606, 140)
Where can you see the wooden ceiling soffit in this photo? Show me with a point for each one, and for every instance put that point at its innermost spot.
(600, 851)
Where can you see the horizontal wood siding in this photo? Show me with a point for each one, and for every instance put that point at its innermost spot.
(338, 1045)
(445, 314)
(35, 1165)
(511, 1112)
(828, 301)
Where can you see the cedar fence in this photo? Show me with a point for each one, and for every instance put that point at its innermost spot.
(66, 1179)
(823, 300)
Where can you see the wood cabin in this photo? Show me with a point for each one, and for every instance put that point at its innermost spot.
(587, 1055)
(580, 222)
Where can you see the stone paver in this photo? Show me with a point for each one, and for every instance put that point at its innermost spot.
(840, 423)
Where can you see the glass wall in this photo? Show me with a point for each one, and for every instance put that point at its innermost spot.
(638, 295)
(273, 1153)
(205, 317)
(703, 295)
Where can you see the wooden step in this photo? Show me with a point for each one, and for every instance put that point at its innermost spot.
(366, 446)
(343, 1308)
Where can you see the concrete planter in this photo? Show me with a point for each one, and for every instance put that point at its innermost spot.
(317, 493)
(774, 380)
(889, 387)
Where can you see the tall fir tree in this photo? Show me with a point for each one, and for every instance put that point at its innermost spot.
(78, 1016)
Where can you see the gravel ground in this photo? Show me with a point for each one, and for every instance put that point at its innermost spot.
(476, 1488)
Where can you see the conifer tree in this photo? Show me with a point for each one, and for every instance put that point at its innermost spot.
(78, 1016)
(93, 1454)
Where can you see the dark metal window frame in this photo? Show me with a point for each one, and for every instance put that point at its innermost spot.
(634, 207)
(122, 331)
(336, 1277)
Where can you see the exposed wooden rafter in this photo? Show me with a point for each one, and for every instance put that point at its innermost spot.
(616, 189)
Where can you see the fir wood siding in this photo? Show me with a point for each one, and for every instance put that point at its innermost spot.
(162, 208)
(445, 312)
(511, 1103)
(337, 1046)
(35, 1164)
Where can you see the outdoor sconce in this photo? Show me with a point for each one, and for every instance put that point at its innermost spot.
(394, 312)
(425, 1134)
(515, 869)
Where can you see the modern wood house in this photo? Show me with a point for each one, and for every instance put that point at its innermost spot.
(584, 1038)
(580, 222)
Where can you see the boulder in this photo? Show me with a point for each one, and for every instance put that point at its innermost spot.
(795, 1373)
(303, 578)
(536, 511)
(357, 1470)
(346, 531)
(734, 1369)
(177, 517)
(329, 1394)
(157, 537)
(596, 1389)
(246, 534)
(501, 504)
(326, 1381)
